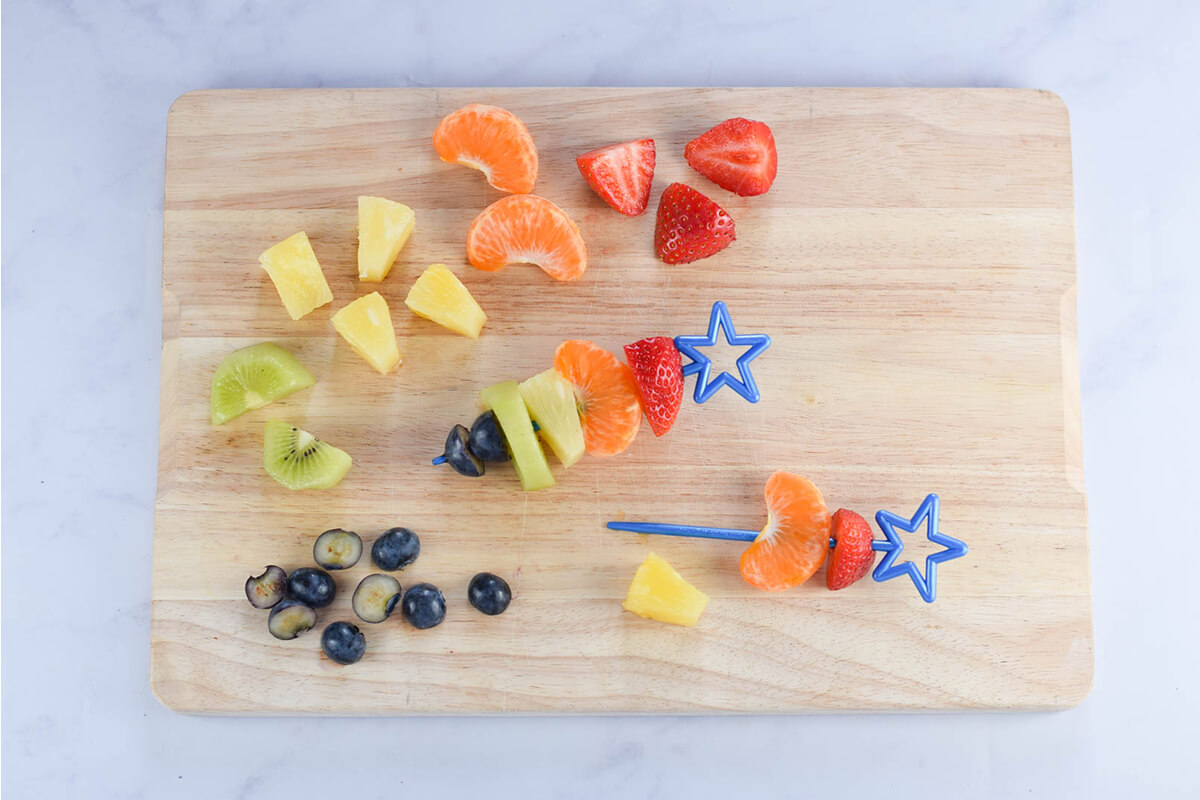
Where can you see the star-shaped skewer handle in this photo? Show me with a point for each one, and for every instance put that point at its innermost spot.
(719, 320)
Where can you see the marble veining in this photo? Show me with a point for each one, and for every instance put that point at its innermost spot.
(85, 94)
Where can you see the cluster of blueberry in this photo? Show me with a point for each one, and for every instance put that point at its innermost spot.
(294, 599)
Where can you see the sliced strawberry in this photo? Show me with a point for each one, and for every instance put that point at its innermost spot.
(738, 155)
(621, 174)
(690, 226)
(852, 556)
(658, 369)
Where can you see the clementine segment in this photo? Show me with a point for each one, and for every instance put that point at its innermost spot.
(492, 141)
(527, 229)
(795, 541)
(607, 392)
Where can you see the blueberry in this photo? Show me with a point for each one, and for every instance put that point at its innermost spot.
(459, 455)
(376, 597)
(489, 593)
(424, 606)
(337, 549)
(290, 618)
(343, 642)
(486, 439)
(311, 586)
(395, 549)
(264, 591)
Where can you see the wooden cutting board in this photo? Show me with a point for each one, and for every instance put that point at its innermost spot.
(915, 265)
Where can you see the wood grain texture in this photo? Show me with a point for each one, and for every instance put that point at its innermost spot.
(915, 265)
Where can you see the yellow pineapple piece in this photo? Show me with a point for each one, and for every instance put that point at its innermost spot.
(550, 399)
(439, 295)
(297, 276)
(383, 228)
(504, 399)
(366, 325)
(659, 592)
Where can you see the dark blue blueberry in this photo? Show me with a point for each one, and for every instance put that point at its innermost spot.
(489, 593)
(343, 642)
(311, 586)
(395, 549)
(264, 591)
(486, 439)
(290, 618)
(424, 606)
(459, 455)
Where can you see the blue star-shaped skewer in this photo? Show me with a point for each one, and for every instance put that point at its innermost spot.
(687, 345)
(888, 569)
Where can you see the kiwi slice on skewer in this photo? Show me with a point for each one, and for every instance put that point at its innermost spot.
(299, 460)
(252, 377)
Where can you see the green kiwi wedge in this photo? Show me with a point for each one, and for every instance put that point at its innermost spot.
(252, 377)
(299, 460)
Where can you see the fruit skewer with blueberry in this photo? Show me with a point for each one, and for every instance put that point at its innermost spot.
(589, 402)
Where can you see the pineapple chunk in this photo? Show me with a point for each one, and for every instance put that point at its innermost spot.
(297, 276)
(550, 399)
(439, 295)
(505, 400)
(659, 592)
(383, 228)
(366, 325)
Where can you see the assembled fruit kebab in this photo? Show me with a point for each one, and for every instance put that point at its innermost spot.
(587, 402)
(800, 535)
(591, 402)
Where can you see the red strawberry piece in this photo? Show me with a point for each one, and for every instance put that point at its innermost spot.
(852, 556)
(738, 155)
(658, 369)
(621, 174)
(690, 226)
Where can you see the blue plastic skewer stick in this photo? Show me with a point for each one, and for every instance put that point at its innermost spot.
(695, 531)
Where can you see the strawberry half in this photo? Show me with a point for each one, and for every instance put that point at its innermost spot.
(690, 226)
(658, 369)
(852, 556)
(621, 174)
(738, 155)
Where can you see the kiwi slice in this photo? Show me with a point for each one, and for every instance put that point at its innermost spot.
(299, 460)
(252, 377)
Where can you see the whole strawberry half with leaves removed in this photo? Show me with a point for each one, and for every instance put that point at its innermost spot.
(658, 370)
(738, 155)
(621, 174)
(690, 226)
(852, 556)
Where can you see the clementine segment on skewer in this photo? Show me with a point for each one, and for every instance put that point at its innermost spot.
(609, 409)
(527, 229)
(492, 141)
(795, 541)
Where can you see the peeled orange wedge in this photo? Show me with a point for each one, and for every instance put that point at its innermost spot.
(492, 141)
(795, 541)
(609, 408)
(527, 229)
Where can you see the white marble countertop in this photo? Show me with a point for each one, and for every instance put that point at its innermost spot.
(86, 88)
